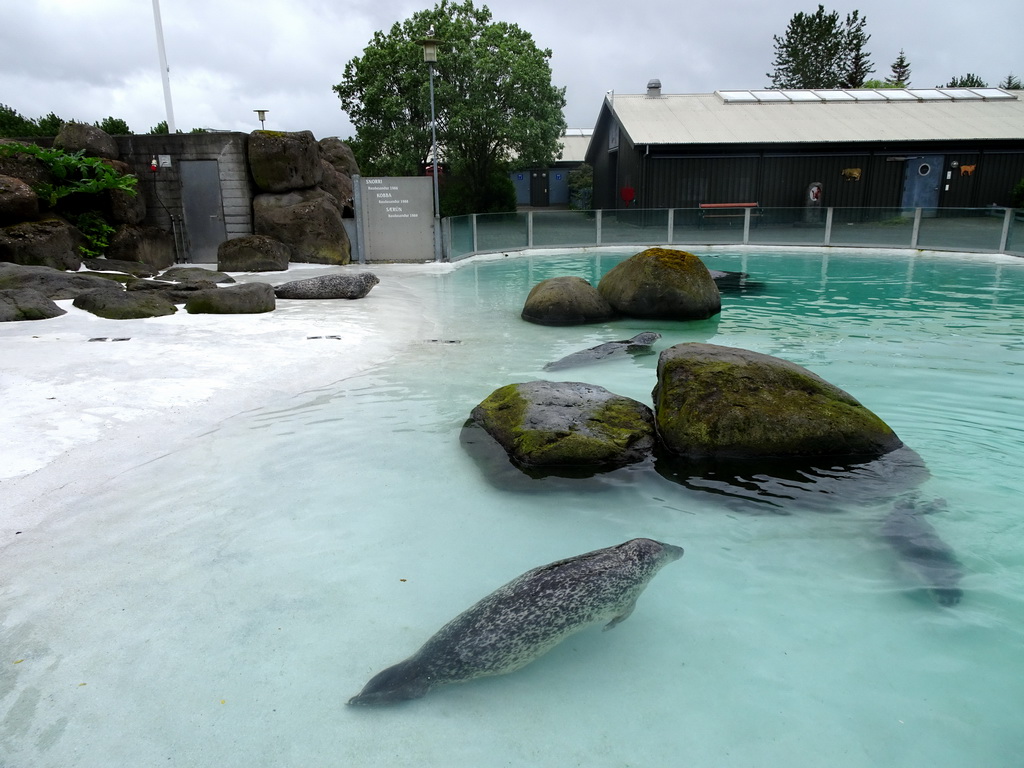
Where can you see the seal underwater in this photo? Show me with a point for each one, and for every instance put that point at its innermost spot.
(525, 619)
(639, 344)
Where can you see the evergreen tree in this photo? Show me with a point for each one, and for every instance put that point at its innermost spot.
(970, 80)
(900, 77)
(115, 126)
(820, 50)
(1011, 83)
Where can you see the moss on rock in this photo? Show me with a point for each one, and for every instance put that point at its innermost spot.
(544, 423)
(714, 401)
(662, 283)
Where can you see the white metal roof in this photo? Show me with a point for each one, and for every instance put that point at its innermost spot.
(865, 115)
(574, 144)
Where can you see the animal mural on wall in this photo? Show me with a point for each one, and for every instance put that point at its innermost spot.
(967, 170)
(851, 174)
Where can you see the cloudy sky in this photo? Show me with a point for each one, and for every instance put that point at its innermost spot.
(87, 59)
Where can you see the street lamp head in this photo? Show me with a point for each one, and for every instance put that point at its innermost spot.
(429, 44)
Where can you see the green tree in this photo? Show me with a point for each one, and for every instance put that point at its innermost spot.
(50, 125)
(493, 94)
(970, 80)
(900, 77)
(13, 124)
(115, 126)
(874, 83)
(159, 129)
(820, 50)
(1011, 83)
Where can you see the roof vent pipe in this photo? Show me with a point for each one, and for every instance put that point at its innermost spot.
(654, 87)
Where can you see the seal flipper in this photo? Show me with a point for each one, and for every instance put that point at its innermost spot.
(620, 618)
(403, 681)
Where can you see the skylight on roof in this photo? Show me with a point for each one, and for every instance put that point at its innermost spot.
(793, 96)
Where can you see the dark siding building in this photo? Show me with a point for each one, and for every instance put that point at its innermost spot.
(943, 148)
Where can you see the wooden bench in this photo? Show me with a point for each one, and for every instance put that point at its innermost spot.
(728, 211)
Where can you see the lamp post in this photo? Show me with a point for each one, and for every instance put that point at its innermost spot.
(261, 115)
(429, 44)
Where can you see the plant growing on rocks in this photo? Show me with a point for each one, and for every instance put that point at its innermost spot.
(75, 173)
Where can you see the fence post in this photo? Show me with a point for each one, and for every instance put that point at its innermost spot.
(828, 226)
(1004, 239)
(476, 246)
(746, 226)
(671, 225)
(597, 221)
(917, 228)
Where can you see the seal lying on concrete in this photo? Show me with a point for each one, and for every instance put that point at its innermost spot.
(640, 343)
(525, 619)
(922, 550)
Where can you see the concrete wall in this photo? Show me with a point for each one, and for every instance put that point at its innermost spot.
(162, 188)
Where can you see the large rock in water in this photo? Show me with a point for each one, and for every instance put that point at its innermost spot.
(308, 222)
(248, 299)
(26, 304)
(282, 162)
(148, 245)
(566, 301)
(351, 286)
(567, 424)
(662, 283)
(728, 403)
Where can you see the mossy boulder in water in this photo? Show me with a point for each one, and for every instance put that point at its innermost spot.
(567, 424)
(662, 283)
(722, 402)
(565, 300)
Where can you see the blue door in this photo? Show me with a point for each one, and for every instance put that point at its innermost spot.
(921, 182)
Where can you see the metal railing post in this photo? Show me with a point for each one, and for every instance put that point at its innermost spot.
(597, 223)
(828, 226)
(917, 228)
(671, 225)
(746, 226)
(529, 229)
(476, 246)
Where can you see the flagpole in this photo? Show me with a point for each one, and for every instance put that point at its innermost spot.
(163, 65)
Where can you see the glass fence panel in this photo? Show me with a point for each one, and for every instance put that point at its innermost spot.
(872, 227)
(685, 225)
(637, 226)
(460, 244)
(788, 226)
(1015, 239)
(499, 231)
(961, 229)
(564, 228)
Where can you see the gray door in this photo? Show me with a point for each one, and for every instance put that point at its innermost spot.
(204, 213)
(921, 182)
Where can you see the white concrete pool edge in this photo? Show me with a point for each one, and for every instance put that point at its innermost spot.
(78, 413)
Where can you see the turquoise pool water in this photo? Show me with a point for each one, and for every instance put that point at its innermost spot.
(303, 547)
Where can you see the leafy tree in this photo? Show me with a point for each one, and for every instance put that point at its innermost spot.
(880, 84)
(115, 126)
(493, 94)
(969, 80)
(159, 129)
(900, 77)
(820, 50)
(1011, 83)
(50, 125)
(13, 124)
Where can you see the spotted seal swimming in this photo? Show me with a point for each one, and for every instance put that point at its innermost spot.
(921, 549)
(525, 619)
(639, 343)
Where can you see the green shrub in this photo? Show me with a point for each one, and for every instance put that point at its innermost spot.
(96, 231)
(75, 173)
(1017, 195)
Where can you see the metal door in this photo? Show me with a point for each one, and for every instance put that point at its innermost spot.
(538, 188)
(921, 182)
(203, 209)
